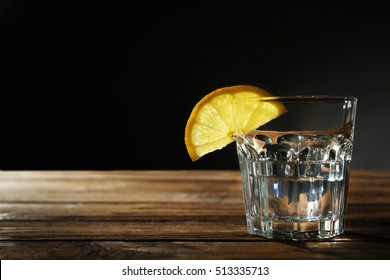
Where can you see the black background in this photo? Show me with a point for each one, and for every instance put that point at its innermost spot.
(111, 85)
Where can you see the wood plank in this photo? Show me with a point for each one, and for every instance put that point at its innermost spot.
(129, 186)
(128, 211)
(207, 227)
(151, 175)
(202, 250)
(116, 211)
(155, 186)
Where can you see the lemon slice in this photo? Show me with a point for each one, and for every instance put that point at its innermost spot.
(222, 115)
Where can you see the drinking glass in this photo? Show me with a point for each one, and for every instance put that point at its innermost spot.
(295, 168)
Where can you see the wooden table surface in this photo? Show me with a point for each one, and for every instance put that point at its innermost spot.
(168, 215)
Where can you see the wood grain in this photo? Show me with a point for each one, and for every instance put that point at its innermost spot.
(159, 214)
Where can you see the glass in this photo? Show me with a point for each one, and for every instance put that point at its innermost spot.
(295, 168)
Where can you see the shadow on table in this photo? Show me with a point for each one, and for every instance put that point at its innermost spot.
(350, 245)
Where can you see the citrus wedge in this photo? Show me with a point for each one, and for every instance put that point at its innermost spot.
(222, 115)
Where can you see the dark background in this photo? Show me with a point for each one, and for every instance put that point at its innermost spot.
(111, 85)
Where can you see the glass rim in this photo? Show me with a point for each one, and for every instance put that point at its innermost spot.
(307, 98)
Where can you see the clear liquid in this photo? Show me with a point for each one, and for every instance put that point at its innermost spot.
(295, 183)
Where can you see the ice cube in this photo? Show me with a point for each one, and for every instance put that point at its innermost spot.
(316, 154)
(291, 169)
(332, 154)
(339, 139)
(292, 140)
(318, 141)
(278, 151)
(264, 138)
(303, 154)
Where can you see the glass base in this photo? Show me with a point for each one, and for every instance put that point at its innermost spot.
(296, 229)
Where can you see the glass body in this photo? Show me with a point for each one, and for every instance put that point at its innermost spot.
(295, 169)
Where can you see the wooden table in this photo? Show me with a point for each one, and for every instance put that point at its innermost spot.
(168, 215)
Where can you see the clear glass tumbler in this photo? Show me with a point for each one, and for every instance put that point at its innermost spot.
(295, 169)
